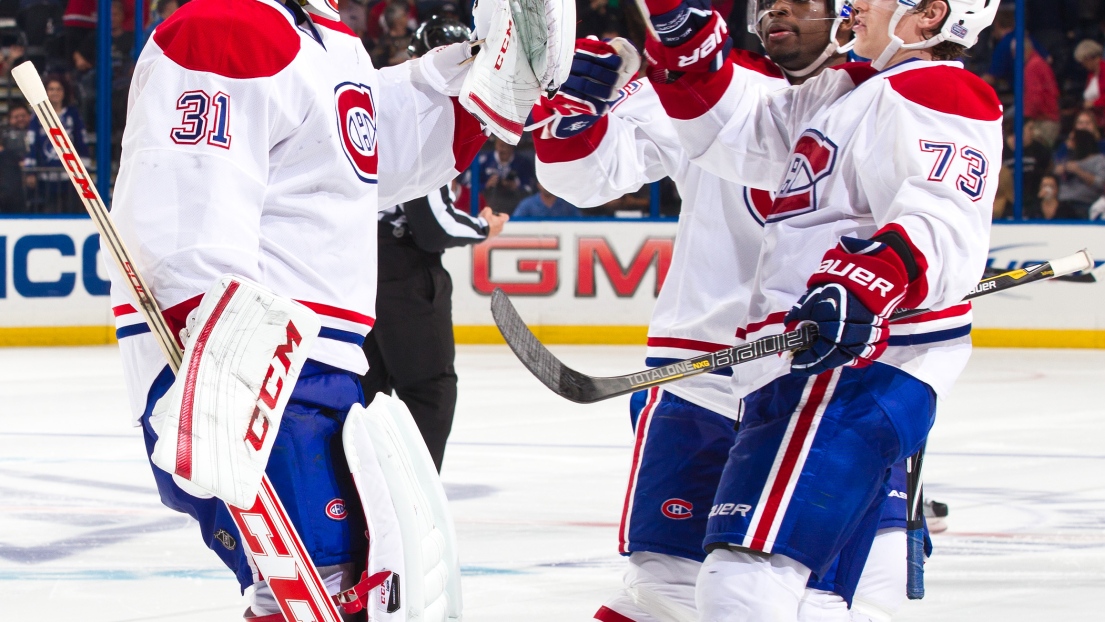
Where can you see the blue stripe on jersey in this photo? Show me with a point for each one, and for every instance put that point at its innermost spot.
(341, 335)
(655, 361)
(923, 338)
(130, 331)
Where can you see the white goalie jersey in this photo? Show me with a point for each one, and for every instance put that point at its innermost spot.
(708, 285)
(854, 152)
(261, 142)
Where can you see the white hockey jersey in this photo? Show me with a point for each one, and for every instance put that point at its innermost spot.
(260, 141)
(909, 149)
(709, 282)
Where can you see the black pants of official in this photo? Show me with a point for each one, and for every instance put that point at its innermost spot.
(410, 349)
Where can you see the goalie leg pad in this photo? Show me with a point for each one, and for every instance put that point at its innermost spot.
(410, 529)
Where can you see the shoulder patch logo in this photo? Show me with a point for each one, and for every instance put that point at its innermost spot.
(336, 509)
(356, 114)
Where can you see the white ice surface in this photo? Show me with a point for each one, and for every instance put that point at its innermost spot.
(537, 484)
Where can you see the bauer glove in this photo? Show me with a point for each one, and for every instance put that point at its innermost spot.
(692, 36)
(599, 70)
(851, 296)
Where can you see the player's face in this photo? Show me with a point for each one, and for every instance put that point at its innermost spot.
(871, 23)
(795, 32)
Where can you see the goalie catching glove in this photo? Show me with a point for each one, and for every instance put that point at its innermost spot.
(599, 70)
(851, 296)
(526, 49)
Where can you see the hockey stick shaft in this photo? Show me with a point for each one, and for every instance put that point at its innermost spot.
(915, 528)
(578, 387)
(265, 528)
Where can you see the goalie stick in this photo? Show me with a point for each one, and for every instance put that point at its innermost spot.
(266, 529)
(583, 389)
(915, 527)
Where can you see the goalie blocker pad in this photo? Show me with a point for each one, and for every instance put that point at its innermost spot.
(527, 49)
(410, 529)
(219, 420)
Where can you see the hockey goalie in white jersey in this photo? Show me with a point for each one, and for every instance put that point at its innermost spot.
(882, 203)
(261, 143)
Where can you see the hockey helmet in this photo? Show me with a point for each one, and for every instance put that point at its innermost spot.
(437, 31)
(966, 21)
(325, 8)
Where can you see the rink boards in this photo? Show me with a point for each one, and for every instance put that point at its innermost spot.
(573, 282)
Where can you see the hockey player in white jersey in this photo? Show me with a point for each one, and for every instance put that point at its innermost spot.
(683, 432)
(882, 203)
(261, 143)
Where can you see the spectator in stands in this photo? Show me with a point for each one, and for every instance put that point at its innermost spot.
(1048, 197)
(1037, 161)
(1089, 55)
(390, 48)
(599, 17)
(1082, 178)
(1085, 120)
(1000, 73)
(13, 146)
(544, 205)
(1041, 95)
(51, 192)
(12, 53)
(505, 177)
(162, 10)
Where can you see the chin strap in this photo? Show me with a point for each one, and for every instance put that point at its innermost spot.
(808, 69)
(896, 42)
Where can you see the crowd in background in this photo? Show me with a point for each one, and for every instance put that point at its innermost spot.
(1064, 99)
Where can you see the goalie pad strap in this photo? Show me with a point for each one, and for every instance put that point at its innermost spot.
(355, 598)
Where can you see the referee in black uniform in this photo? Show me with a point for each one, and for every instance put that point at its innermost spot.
(410, 349)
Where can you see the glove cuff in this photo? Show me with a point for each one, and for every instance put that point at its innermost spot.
(704, 52)
(871, 271)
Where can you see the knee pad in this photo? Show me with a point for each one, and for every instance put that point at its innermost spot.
(881, 589)
(658, 588)
(734, 586)
(410, 529)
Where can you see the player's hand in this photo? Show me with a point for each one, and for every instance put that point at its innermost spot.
(850, 298)
(495, 221)
(693, 37)
(599, 70)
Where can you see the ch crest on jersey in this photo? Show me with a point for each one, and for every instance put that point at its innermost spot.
(759, 203)
(812, 160)
(356, 114)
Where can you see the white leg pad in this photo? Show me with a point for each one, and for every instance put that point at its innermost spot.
(658, 588)
(822, 606)
(735, 586)
(881, 589)
(410, 529)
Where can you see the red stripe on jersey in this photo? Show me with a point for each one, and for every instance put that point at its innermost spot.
(950, 90)
(123, 310)
(694, 94)
(496, 117)
(858, 72)
(184, 434)
(339, 313)
(468, 136)
(606, 614)
(774, 318)
(332, 24)
(638, 449)
(956, 311)
(793, 451)
(686, 344)
(238, 39)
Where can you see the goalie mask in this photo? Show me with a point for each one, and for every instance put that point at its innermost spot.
(324, 8)
(758, 10)
(966, 20)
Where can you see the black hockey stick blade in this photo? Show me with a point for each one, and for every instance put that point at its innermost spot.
(583, 389)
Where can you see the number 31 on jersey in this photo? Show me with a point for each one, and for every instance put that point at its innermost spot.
(203, 116)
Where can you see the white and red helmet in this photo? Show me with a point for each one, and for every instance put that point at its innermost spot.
(966, 21)
(325, 8)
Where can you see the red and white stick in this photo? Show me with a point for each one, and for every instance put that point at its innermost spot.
(266, 529)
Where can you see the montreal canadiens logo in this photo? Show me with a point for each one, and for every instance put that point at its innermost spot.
(356, 112)
(677, 509)
(336, 509)
(812, 160)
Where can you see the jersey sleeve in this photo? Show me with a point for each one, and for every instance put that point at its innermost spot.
(633, 145)
(732, 125)
(186, 205)
(426, 138)
(437, 224)
(930, 174)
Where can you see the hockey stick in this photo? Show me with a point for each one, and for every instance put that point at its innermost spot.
(581, 388)
(915, 528)
(266, 529)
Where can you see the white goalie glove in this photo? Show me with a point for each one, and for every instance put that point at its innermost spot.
(526, 50)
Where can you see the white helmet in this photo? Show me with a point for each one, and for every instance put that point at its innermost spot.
(756, 14)
(325, 8)
(966, 20)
